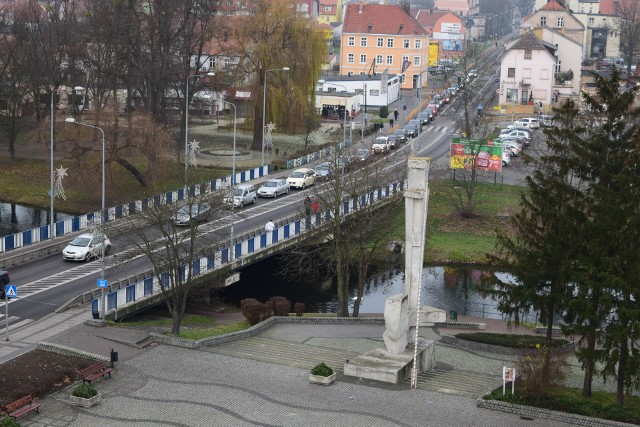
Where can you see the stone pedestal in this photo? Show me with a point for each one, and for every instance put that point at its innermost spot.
(380, 365)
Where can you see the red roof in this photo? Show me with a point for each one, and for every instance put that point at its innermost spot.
(428, 18)
(608, 7)
(553, 5)
(362, 18)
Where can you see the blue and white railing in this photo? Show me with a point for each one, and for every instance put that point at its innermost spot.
(255, 242)
(71, 225)
(325, 152)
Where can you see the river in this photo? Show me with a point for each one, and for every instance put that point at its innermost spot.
(16, 218)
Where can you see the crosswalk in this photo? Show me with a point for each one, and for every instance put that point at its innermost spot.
(14, 321)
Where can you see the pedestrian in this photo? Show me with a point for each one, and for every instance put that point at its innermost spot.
(404, 107)
(315, 206)
(269, 226)
(307, 206)
(395, 114)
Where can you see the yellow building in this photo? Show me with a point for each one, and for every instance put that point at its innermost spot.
(379, 37)
(330, 11)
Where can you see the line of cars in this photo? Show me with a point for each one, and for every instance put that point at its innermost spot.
(516, 137)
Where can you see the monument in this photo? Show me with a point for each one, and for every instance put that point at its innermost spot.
(405, 352)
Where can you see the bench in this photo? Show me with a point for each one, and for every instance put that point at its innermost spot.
(95, 371)
(22, 406)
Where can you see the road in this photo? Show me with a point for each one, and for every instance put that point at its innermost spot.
(47, 283)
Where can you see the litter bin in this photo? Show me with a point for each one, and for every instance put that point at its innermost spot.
(453, 315)
(114, 357)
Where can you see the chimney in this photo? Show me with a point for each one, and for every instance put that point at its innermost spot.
(359, 7)
(370, 26)
(401, 27)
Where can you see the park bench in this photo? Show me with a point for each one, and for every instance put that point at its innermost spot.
(22, 406)
(95, 371)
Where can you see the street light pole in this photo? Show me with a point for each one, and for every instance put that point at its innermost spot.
(233, 173)
(51, 195)
(264, 104)
(186, 121)
(102, 211)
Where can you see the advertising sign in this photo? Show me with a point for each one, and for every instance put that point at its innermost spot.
(508, 375)
(485, 155)
(447, 36)
(433, 54)
(451, 27)
(452, 45)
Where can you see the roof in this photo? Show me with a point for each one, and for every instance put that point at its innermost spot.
(529, 41)
(456, 5)
(428, 18)
(328, 2)
(553, 5)
(362, 18)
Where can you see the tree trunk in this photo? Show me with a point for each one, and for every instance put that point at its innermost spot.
(589, 364)
(622, 366)
(362, 279)
(139, 176)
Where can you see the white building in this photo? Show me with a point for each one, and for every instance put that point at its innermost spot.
(370, 90)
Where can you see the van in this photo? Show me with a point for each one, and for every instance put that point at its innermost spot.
(241, 195)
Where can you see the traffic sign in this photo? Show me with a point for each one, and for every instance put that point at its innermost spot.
(103, 283)
(11, 291)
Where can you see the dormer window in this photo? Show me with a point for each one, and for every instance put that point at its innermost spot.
(543, 21)
(560, 22)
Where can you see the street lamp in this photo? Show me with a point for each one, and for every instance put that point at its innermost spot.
(51, 194)
(186, 121)
(102, 213)
(264, 104)
(233, 171)
(344, 126)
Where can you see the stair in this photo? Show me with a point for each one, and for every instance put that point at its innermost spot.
(457, 382)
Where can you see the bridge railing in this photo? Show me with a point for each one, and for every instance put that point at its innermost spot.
(324, 152)
(250, 243)
(81, 222)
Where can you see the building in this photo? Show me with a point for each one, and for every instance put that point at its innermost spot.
(361, 91)
(568, 60)
(459, 7)
(379, 37)
(527, 71)
(330, 11)
(445, 28)
(556, 16)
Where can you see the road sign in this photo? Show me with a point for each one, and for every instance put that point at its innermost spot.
(102, 283)
(11, 291)
(235, 277)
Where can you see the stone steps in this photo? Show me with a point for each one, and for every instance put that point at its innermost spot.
(457, 382)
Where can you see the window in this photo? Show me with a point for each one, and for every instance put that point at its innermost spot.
(543, 21)
(416, 60)
(212, 62)
(351, 41)
(560, 22)
(511, 72)
(389, 42)
(363, 58)
(227, 62)
(591, 21)
(363, 41)
(512, 95)
(351, 58)
(405, 43)
(380, 42)
(327, 9)
(229, 2)
(374, 92)
(527, 54)
(389, 60)
(378, 59)
(403, 78)
(418, 44)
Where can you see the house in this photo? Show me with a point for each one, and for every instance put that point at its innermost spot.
(330, 11)
(568, 59)
(527, 71)
(554, 15)
(361, 91)
(379, 37)
(460, 7)
(445, 28)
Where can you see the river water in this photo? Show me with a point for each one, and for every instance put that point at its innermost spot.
(443, 287)
(16, 218)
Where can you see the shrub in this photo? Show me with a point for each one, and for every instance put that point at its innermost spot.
(281, 306)
(84, 390)
(268, 309)
(384, 112)
(322, 369)
(538, 378)
(8, 422)
(299, 308)
(254, 312)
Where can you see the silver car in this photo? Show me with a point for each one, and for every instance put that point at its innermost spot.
(273, 188)
(86, 246)
(197, 212)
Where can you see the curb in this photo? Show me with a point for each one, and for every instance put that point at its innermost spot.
(68, 351)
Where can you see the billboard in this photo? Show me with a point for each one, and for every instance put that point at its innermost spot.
(486, 156)
(447, 36)
(452, 45)
(450, 27)
(433, 53)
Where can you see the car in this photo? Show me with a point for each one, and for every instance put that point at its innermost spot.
(433, 107)
(4, 280)
(401, 135)
(513, 147)
(241, 195)
(506, 159)
(343, 162)
(197, 212)
(416, 124)
(393, 141)
(511, 128)
(302, 178)
(424, 118)
(381, 145)
(323, 171)
(545, 120)
(273, 188)
(530, 122)
(362, 155)
(472, 74)
(410, 131)
(517, 133)
(87, 246)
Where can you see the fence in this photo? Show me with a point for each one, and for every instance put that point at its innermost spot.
(254, 242)
(60, 228)
(308, 158)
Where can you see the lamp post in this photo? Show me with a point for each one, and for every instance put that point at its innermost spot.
(186, 121)
(344, 126)
(51, 194)
(233, 171)
(264, 104)
(72, 120)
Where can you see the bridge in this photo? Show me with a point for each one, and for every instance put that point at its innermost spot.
(145, 289)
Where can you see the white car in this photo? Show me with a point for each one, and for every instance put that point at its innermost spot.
(273, 188)
(241, 195)
(527, 122)
(302, 178)
(512, 147)
(86, 246)
(506, 158)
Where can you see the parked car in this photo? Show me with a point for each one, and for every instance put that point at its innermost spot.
(323, 171)
(381, 145)
(273, 188)
(517, 133)
(86, 246)
(472, 74)
(506, 159)
(520, 141)
(197, 212)
(545, 120)
(401, 134)
(530, 122)
(241, 195)
(362, 155)
(511, 147)
(301, 178)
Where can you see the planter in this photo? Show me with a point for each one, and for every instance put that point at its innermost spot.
(86, 403)
(319, 379)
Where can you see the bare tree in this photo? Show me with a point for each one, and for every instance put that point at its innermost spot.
(628, 25)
